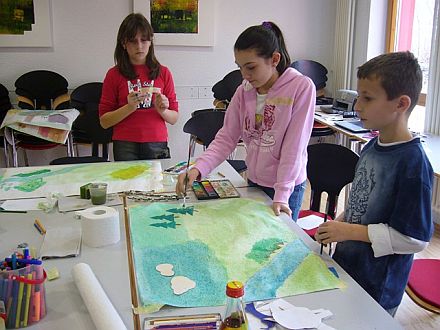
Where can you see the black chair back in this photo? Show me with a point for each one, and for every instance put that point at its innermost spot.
(330, 168)
(42, 88)
(314, 70)
(87, 128)
(5, 102)
(205, 125)
(225, 88)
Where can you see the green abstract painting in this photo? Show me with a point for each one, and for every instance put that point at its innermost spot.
(32, 182)
(213, 242)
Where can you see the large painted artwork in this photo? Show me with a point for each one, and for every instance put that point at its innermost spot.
(40, 181)
(180, 22)
(185, 256)
(25, 23)
(171, 16)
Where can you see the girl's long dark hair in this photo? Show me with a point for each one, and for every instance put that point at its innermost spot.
(265, 39)
(130, 26)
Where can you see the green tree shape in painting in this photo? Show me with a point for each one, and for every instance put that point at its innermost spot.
(183, 210)
(171, 224)
(167, 217)
(262, 249)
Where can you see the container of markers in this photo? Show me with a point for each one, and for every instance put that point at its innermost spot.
(23, 293)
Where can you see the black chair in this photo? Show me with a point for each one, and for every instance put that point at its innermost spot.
(87, 128)
(224, 89)
(203, 127)
(314, 70)
(318, 73)
(42, 90)
(78, 160)
(5, 106)
(330, 168)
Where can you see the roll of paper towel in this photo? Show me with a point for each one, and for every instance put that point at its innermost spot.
(100, 308)
(100, 226)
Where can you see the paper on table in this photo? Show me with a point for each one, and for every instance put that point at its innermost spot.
(73, 203)
(61, 242)
(309, 222)
(24, 204)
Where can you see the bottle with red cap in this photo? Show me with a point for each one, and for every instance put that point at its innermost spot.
(235, 317)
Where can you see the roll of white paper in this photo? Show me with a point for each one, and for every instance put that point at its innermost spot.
(100, 226)
(100, 308)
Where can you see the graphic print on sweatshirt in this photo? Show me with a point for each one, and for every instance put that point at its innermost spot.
(361, 188)
(260, 135)
(146, 103)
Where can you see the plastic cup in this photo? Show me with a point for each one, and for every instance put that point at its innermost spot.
(98, 193)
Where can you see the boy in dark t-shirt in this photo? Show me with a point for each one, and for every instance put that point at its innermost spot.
(388, 218)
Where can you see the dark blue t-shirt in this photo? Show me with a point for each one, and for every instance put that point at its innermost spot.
(392, 185)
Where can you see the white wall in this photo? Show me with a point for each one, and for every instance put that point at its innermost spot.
(84, 33)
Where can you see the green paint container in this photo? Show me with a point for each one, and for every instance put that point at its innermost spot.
(98, 193)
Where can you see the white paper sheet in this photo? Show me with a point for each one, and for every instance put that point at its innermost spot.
(61, 242)
(24, 204)
(310, 222)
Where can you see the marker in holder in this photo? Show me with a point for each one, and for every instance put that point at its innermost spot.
(23, 293)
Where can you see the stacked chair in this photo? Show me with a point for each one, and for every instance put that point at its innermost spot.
(39, 90)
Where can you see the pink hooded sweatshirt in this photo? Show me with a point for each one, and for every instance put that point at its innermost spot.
(277, 149)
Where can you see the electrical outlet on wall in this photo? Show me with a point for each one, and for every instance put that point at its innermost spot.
(205, 92)
(193, 93)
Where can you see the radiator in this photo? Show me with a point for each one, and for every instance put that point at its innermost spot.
(344, 44)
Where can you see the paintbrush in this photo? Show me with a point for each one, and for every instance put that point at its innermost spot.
(325, 220)
(186, 175)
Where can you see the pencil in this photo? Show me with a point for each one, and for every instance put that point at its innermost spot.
(325, 220)
(40, 225)
(221, 174)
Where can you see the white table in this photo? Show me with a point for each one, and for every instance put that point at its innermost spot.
(353, 308)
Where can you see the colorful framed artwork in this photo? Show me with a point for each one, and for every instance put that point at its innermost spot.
(179, 23)
(26, 23)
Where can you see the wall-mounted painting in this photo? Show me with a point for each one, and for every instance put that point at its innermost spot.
(25, 23)
(179, 22)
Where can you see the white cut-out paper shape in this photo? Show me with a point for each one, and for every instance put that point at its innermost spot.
(296, 318)
(181, 284)
(165, 269)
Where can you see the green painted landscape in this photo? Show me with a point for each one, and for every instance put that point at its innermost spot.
(32, 182)
(214, 242)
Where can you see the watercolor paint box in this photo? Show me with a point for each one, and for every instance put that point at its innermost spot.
(214, 189)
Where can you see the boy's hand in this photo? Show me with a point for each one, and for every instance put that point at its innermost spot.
(180, 186)
(281, 207)
(161, 102)
(337, 231)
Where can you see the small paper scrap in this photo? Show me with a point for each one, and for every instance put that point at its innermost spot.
(165, 269)
(182, 284)
(52, 274)
(309, 222)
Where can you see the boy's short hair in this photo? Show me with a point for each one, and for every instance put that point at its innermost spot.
(399, 74)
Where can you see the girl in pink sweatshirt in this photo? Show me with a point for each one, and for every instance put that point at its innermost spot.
(272, 112)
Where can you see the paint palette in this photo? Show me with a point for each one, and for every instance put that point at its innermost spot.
(214, 189)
